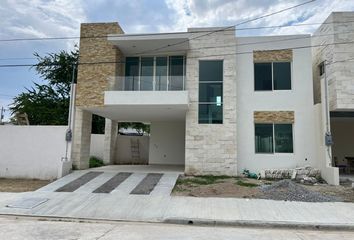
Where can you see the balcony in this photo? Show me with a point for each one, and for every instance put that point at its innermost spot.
(147, 83)
(143, 98)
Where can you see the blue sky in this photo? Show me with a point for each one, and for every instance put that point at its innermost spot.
(54, 18)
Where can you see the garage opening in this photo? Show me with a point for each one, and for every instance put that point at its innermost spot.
(342, 128)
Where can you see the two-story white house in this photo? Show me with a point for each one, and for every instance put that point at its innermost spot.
(216, 103)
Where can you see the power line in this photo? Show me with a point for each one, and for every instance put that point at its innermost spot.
(303, 36)
(268, 41)
(6, 95)
(215, 55)
(171, 33)
(17, 58)
(169, 45)
(229, 27)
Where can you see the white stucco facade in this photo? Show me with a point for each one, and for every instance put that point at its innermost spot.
(299, 99)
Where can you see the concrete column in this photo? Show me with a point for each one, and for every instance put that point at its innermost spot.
(110, 139)
(81, 139)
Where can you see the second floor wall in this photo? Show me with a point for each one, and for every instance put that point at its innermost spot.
(333, 53)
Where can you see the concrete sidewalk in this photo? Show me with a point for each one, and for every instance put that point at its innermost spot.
(31, 228)
(149, 208)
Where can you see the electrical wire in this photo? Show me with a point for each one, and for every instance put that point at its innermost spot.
(299, 37)
(214, 55)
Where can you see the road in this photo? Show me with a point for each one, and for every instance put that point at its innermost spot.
(27, 228)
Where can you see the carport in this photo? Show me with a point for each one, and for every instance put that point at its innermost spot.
(342, 129)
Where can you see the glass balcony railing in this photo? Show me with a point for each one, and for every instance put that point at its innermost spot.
(147, 83)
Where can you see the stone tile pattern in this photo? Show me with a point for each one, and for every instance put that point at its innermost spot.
(339, 28)
(211, 148)
(274, 116)
(80, 149)
(273, 55)
(94, 79)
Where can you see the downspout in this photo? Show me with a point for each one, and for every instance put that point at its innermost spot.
(68, 134)
(328, 134)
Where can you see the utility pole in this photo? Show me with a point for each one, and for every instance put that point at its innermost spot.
(2, 115)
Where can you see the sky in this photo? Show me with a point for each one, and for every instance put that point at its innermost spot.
(61, 18)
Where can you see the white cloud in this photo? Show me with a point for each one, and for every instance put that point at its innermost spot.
(201, 13)
(40, 18)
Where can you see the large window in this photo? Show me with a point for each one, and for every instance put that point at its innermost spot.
(131, 81)
(147, 73)
(176, 72)
(272, 76)
(273, 138)
(160, 73)
(210, 91)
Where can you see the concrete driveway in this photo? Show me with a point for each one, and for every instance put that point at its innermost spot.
(120, 180)
(134, 196)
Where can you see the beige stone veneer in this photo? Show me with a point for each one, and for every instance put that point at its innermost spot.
(273, 55)
(274, 116)
(97, 64)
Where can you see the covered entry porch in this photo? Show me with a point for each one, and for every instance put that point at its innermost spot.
(165, 144)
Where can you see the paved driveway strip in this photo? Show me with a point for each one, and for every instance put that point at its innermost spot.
(75, 184)
(112, 183)
(147, 184)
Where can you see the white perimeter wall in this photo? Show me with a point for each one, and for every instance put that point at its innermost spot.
(97, 145)
(123, 149)
(31, 151)
(167, 143)
(299, 99)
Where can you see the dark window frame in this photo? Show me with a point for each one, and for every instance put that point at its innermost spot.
(274, 138)
(211, 103)
(272, 80)
(321, 68)
(136, 61)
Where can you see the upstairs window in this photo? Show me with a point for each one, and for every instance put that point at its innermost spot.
(210, 91)
(272, 76)
(159, 73)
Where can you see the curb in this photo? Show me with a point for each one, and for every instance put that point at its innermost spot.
(200, 222)
(261, 224)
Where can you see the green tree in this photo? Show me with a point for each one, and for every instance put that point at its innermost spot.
(138, 126)
(48, 104)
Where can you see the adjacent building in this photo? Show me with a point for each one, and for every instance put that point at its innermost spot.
(333, 77)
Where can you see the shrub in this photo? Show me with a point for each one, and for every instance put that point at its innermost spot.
(95, 162)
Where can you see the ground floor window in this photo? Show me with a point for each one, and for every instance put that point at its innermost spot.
(273, 138)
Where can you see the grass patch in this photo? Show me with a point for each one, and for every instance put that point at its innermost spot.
(95, 162)
(246, 184)
(201, 180)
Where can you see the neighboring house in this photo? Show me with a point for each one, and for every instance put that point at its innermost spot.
(217, 103)
(334, 64)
